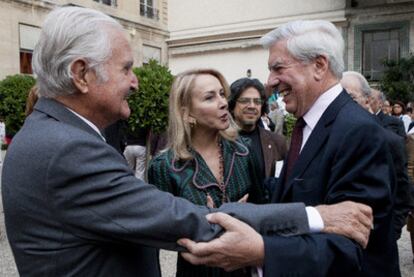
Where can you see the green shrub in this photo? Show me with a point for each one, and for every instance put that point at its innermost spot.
(13, 94)
(290, 121)
(398, 80)
(149, 105)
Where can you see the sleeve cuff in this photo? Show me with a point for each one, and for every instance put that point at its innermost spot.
(314, 219)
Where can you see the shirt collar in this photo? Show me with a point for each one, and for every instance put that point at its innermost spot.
(93, 126)
(321, 104)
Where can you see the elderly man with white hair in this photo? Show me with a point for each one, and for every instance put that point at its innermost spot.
(358, 87)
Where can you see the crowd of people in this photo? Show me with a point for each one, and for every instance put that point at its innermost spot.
(228, 191)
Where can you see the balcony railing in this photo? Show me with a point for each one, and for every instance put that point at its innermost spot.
(149, 11)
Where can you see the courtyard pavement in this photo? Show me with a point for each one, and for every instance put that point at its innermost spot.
(168, 258)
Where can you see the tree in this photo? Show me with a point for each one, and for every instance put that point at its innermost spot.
(398, 79)
(149, 105)
(13, 94)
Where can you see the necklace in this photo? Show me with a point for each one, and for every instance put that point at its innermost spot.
(221, 183)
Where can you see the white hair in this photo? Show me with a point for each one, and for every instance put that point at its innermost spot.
(69, 34)
(362, 82)
(308, 39)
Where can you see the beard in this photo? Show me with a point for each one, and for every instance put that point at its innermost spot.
(248, 125)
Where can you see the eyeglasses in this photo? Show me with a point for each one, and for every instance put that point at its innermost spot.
(246, 101)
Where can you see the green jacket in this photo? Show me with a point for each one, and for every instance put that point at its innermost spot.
(192, 179)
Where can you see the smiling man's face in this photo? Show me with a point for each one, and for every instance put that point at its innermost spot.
(247, 110)
(294, 79)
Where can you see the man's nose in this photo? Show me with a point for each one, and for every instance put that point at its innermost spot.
(273, 81)
(134, 82)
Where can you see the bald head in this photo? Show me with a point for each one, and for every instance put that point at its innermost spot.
(357, 87)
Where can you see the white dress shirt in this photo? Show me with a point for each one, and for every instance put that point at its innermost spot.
(318, 108)
(93, 126)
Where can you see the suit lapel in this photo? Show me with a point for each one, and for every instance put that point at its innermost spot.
(267, 153)
(316, 140)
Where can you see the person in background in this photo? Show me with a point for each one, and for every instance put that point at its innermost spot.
(398, 110)
(266, 123)
(352, 82)
(377, 102)
(277, 117)
(402, 193)
(386, 107)
(115, 135)
(247, 103)
(136, 153)
(410, 218)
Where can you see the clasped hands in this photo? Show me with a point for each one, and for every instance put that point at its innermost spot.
(241, 246)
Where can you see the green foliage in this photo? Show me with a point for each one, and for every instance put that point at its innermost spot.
(13, 94)
(398, 80)
(149, 105)
(290, 121)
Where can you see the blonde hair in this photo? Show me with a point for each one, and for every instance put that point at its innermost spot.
(179, 130)
(31, 100)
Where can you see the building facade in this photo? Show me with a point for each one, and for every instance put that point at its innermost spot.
(21, 20)
(225, 34)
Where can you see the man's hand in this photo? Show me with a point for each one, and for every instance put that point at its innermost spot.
(349, 219)
(238, 247)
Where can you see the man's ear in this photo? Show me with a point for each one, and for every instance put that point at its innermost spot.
(321, 65)
(79, 70)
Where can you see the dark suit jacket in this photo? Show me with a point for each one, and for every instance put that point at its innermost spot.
(72, 206)
(403, 201)
(345, 158)
(391, 123)
(273, 148)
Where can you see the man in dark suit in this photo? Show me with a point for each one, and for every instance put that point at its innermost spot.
(358, 87)
(71, 204)
(336, 162)
(247, 103)
(391, 123)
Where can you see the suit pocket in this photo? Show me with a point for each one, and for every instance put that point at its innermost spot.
(308, 191)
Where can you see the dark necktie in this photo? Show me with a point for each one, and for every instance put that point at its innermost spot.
(295, 144)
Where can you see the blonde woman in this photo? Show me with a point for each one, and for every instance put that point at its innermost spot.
(205, 162)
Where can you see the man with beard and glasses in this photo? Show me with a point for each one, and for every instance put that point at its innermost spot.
(247, 103)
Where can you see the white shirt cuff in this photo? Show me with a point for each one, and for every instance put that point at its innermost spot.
(314, 219)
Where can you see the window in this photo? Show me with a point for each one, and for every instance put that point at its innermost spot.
(28, 35)
(146, 8)
(151, 52)
(375, 43)
(107, 2)
(26, 62)
(378, 46)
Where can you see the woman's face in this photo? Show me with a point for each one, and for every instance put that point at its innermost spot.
(209, 104)
(397, 109)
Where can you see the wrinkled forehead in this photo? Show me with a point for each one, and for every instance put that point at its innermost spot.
(279, 54)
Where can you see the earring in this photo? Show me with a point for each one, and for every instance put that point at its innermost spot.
(192, 121)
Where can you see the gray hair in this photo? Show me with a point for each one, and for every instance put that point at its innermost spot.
(363, 83)
(69, 34)
(379, 94)
(308, 39)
